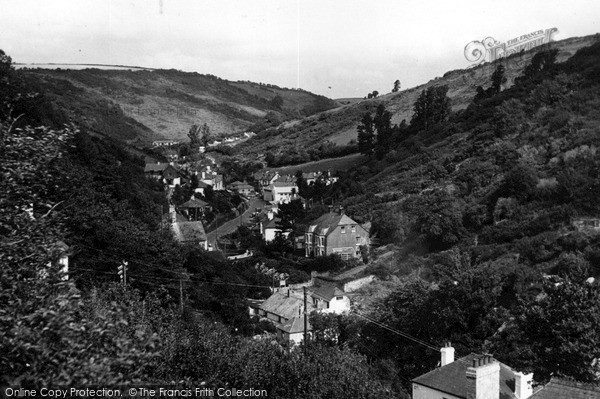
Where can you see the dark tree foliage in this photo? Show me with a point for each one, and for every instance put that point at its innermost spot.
(382, 122)
(555, 334)
(431, 108)
(366, 135)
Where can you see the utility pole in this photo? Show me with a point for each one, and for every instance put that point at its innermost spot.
(305, 322)
(181, 294)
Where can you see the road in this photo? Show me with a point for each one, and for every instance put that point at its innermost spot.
(232, 225)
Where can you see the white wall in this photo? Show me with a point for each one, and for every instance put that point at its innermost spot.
(423, 392)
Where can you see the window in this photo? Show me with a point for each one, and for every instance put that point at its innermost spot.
(339, 298)
(343, 229)
(322, 241)
(358, 239)
(354, 229)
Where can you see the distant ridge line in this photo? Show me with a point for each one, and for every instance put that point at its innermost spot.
(23, 64)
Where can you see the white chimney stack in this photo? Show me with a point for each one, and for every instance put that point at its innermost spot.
(447, 354)
(483, 379)
(523, 388)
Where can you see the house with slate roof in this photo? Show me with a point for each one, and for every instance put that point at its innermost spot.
(329, 299)
(164, 172)
(280, 192)
(335, 233)
(471, 377)
(185, 231)
(559, 388)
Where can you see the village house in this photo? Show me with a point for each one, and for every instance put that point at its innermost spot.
(265, 177)
(201, 189)
(241, 188)
(280, 192)
(287, 304)
(285, 309)
(335, 233)
(329, 299)
(188, 232)
(471, 377)
(164, 172)
(164, 143)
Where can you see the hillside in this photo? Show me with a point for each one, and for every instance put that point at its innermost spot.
(338, 126)
(140, 105)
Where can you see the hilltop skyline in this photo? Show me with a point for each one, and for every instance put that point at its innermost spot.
(335, 49)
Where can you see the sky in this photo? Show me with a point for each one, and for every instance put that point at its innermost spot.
(337, 48)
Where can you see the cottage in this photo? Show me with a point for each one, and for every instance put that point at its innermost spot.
(471, 377)
(201, 189)
(189, 232)
(335, 233)
(329, 299)
(242, 188)
(280, 192)
(163, 171)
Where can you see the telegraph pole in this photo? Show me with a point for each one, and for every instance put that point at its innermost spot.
(305, 323)
(181, 294)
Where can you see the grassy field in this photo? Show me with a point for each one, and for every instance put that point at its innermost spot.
(332, 164)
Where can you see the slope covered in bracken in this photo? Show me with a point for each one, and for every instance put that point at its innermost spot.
(139, 106)
(303, 139)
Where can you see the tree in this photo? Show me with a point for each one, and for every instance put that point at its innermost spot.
(366, 135)
(194, 135)
(277, 102)
(207, 137)
(540, 62)
(396, 86)
(382, 122)
(431, 108)
(556, 333)
(498, 79)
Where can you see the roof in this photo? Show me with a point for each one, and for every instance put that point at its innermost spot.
(284, 184)
(272, 224)
(559, 389)
(189, 231)
(452, 378)
(328, 222)
(327, 292)
(282, 305)
(295, 325)
(241, 186)
(155, 167)
(194, 203)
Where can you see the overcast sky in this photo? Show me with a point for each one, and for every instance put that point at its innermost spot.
(343, 48)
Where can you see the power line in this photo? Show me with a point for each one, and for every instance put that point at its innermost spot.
(402, 334)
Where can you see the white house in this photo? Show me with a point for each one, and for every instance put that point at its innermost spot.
(280, 192)
(471, 377)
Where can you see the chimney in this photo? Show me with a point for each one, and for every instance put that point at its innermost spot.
(341, 210)
(447, 354)
(330, 208)
(523, 388)
(172, 213)
(483, 379)
(270, 215)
